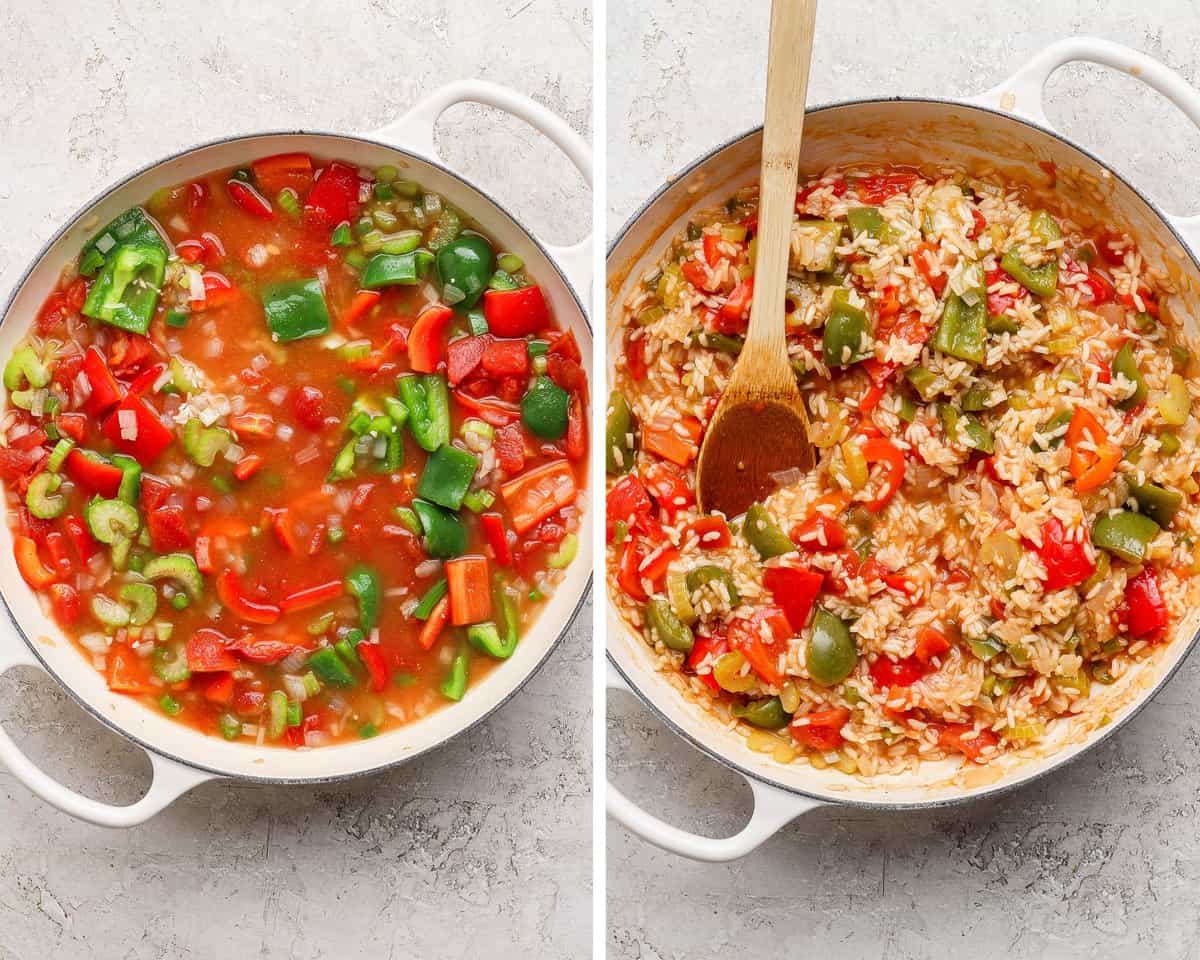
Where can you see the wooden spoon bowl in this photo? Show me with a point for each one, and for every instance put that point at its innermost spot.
(760, 427)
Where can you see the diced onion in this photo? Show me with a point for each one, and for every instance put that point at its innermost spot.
(284, 432)
(105, 243)
(196, 286)
(127, 421)
(278, 395)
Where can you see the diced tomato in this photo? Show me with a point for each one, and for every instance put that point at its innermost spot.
(371, 654)
(712, 531)
(197, 203)
(106, 392)
(283, 171)
(509, 444)
(628, 502)
(17, 465)
(73, 425)
(537, 493)
(216, 687)
(1145, 609)
(249, 200)
(695, 273)
(635, 358)
(81, 537)
(248, 466)
(427, 341)
(506, 358)
(515, 313)
(208, 651)
(564, 344)
(877, 188)
(308, 405)
(249, 425)
(152, 436)
(64, 602)
(1099, 290)
(734, 314)
(333, 199)
(1066, 559)
(820, 729)
(463, 357)
(838, 187)
(896, 673)
(566, 373)
(93, 475)
(628, 577)
(234, 598)
(795, 589)
(497, 537)
(979, 224)
(669, 486)
(712, 249)
(931, 643)
(963, 738)
(129, 352)
(819, 533)
(925, 259)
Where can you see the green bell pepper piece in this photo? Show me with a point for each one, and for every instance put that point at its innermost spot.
(130, 489)
(465, 266)
(762, 534)
(966, 429)
(845, 333)
(665, 626)
(620, 441)
(125, 294)
(295, 309)
(767, 713)
(445, 535)
(1159, 503)
(396, 269)
(709, 572)
(428, 401)
(362, 583)
(1125, 534)
(1126, 365)
(962, 330)
(721, 342)
(424, 608)
(831, 653)
(447, 476)
(455, 684)
(544, 409)
(327, 664)
(486, 638)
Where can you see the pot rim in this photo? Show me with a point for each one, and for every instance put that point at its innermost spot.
(120, 184)
(1064, 758)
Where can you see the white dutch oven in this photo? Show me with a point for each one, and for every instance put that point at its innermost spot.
(181, 757)
(1007, 129)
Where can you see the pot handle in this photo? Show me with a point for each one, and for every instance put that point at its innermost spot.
(1022, 93)
(773, 809)
(170, 780)
(414, 131)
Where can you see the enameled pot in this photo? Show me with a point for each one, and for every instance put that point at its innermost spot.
(180, 756)
(1005, 129)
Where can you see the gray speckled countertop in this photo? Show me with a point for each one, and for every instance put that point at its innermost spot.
(485, 841)
(1098, 860)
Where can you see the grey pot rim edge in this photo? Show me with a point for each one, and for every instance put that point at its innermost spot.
(941, 802)
(37, 259)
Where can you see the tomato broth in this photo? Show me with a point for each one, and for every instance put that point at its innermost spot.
(293, 453)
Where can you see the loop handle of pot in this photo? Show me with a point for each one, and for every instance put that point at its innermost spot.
(1023, 93)
(414, 131)
(169, 779)
(773, 809)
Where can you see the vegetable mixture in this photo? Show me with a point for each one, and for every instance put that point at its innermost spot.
(293, 452)
(1003, 519)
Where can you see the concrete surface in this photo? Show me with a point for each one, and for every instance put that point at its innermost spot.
(485, 842)
(1097, 861)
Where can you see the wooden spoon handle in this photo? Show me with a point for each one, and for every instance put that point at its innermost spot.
(792, 25)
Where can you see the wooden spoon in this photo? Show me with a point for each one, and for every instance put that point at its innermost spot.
(760, 427)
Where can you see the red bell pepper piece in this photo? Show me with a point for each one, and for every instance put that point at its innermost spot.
(896, 673)
(360, 306)
(216, 687)
(128, 673)
(668, 485)
(712, 532)
(576, 439)
(1145, 609)
(435, 624)
(427, 341)
(334, 197)
(284, 170)
(248, 466)
(144, 382)
(878, 187)
(262, 651)
(462, 358)
(230, 592)
(506, 358)
(931, 643)
(152, 436)
(249, 200)
(95, 476)
(515, 313)
(106, 392)
(60, 558)
(635, 358)
(628, 502)
(961, 737)
(925, 259)
(36, 574)
(311, 596)
(746, 635)
(208, 651)
(1066, 560)
(497, 537)
(371, 654)
(735, 312)
(795, 589)
(820, 729)
(714, 644)
(628, 577)
(81, 537)
(819, 534)
(883, 451)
